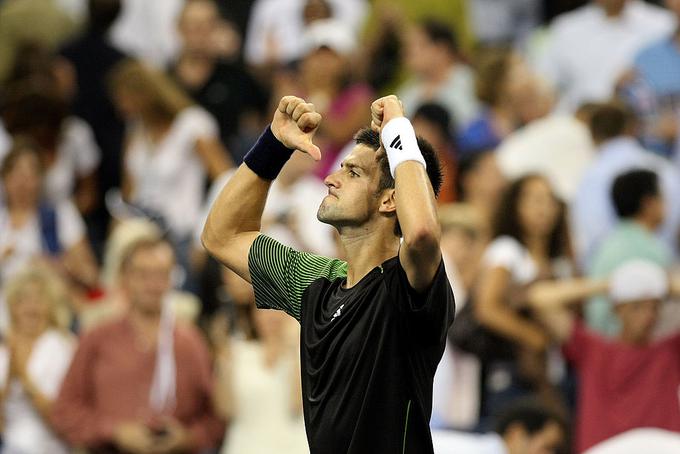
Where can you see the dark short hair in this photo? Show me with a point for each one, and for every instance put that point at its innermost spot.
(35, 108)
(530, 413)
(371, 138)
(609, 120)
(102, 14)
(440, 32)
(630, 189)
(436, 115)
(507, 222)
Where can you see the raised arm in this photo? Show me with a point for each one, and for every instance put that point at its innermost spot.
(551, 301)
(234, 219)
(419, 254)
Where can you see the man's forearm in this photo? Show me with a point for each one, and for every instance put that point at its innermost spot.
(236, 211)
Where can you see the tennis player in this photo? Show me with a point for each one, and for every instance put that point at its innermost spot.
(373, 328)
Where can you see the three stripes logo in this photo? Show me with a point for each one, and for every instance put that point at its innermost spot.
(396, 143)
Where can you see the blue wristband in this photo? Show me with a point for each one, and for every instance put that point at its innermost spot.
(268, 156)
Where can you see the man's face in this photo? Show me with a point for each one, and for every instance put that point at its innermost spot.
(352, 198)
(638, 319)
(546, 441)
(420, 53)
(197, 26)
(147, 277)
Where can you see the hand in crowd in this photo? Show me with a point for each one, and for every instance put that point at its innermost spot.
(295, 123)
(176, 438)
(134, 437)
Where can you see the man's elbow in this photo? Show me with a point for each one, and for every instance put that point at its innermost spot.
(209, 239)
(424, 240)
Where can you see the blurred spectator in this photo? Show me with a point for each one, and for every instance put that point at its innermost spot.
(456, 393)
(592, 212)
(512, 95)
(275, 27)
(290, 213)
(627, 382)
(404, 13)
(589, 48)
(223, 88)
(115, 302)
(463, 242)
(639, 206)
(35, 108)
(480, 183)
(92, 57)
(559, 147)
(147, 29)
(324, 78)
(654, 90)
(523, 427)
(530, 243)
(508, 23)
(33, 227)
(260, 381)
(172, 145)
(34, 357)
(30, 21)
(439, 74)
(433, 123)
(142, 383)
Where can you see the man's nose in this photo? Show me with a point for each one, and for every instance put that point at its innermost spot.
(331, 180)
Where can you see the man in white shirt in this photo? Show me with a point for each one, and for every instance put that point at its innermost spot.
(589, 48)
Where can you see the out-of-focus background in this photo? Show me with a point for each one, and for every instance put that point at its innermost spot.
(557, 124)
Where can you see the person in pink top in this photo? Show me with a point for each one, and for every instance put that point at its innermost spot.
(627, 382)
(143, 383)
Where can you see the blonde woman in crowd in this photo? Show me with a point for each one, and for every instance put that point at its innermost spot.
(34, 358)
(171, 147)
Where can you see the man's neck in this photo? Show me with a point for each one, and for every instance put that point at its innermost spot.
(146, 325)
(614, 12)
(646, 224)
(366, 249)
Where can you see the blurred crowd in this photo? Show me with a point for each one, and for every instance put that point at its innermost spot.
(558, 127)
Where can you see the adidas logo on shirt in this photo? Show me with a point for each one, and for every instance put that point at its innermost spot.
(338, 312)
(396, 143)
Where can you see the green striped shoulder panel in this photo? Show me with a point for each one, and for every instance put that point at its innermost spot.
(280, 274)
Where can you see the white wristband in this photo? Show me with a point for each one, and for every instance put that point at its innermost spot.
(400, 144)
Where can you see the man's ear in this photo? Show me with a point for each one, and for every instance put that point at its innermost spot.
(387, 202)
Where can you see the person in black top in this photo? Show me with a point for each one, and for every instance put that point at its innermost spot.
(374, 327)
(92, 56)
(224, 88)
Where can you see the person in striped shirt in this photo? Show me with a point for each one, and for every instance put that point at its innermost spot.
(373, 327)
